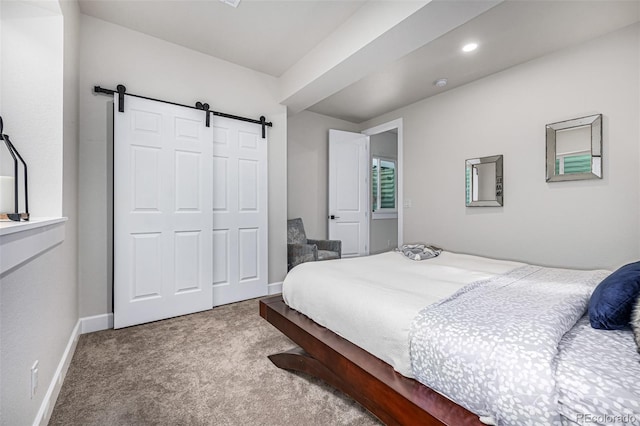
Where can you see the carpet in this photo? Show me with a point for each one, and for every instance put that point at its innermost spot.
(209, 368)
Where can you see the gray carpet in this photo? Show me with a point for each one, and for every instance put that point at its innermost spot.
(209, 368)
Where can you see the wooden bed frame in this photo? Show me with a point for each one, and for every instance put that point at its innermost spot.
(393, 398)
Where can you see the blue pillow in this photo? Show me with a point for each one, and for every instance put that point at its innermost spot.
(612, 301)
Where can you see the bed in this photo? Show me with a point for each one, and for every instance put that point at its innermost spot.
(364, 324)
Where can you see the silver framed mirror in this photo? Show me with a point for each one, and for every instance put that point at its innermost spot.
(574, 149)
(484, 181)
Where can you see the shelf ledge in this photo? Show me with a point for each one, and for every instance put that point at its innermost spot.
(22, 241)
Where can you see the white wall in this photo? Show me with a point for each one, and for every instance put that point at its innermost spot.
(38, 300)
(1, 60)
(384, 144)
(307, 163)
(32, 99)
(583, 224)
(111, 55)
(383, 233)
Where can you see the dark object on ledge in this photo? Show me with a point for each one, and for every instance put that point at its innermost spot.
(15, 216)
(300, 249)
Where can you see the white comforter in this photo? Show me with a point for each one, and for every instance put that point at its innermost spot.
(371, 301)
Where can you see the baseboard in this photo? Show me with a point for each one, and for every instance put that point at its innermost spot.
(84, 325)
(49, 400)
(274, 288)
(96, 323)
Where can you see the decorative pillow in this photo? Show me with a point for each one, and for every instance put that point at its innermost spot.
(419, 251)
(635, 323)
(612, 301)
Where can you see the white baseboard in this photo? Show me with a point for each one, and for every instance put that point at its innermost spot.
(96, 323)
(274, 288)
(49, 400)
(84, 325)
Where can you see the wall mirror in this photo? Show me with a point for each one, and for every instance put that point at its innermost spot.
(484, 181)
(574, 149)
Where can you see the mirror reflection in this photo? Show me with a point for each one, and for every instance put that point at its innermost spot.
(574, 149)
(484, 181)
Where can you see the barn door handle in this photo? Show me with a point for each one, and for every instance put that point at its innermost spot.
(332, 217)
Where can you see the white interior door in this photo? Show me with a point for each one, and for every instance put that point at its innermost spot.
(240, 218)
(348, 191)
(162, 212)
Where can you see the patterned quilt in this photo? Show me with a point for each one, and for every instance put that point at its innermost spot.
(491, 347)
(598, 376)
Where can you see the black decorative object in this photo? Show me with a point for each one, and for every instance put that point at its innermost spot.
(120, 90)
(15, 215)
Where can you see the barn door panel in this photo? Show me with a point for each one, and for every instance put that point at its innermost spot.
(162, 212)
(240, 217)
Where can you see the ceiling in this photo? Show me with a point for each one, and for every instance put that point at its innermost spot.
(276, 37)
(508, 34)
(264, 35)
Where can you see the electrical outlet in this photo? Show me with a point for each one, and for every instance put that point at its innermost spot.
(34, 378)
(407, 203)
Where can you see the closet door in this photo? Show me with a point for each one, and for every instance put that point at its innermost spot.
(162, 212)
(240, 217)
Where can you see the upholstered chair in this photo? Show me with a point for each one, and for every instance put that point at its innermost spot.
(300, 249)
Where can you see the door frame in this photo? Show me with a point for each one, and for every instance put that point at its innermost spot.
(385, 127)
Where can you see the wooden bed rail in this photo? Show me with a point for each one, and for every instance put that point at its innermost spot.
(393, 398)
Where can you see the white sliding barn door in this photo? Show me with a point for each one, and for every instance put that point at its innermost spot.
(240, 217)
(162, 212)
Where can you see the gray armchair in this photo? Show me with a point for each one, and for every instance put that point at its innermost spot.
(300, 249)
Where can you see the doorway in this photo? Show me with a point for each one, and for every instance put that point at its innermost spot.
(383, 226)
(365, 189)
(385, 189)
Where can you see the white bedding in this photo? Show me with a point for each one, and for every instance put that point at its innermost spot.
(371, 301)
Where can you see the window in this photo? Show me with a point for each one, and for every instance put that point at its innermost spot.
(383, 188)
(467, 186)
(574, 162)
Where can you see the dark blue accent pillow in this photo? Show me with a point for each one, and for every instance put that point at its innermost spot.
(612, 301)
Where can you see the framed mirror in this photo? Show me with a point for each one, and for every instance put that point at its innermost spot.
(574, 149)
(484, 187)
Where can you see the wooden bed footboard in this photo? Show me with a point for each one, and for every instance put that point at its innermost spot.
(393, 398)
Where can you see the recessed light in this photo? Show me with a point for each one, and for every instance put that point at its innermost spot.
(469, 47)
(233, 3)
(441, 82)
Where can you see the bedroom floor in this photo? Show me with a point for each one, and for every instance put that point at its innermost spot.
(209, 368)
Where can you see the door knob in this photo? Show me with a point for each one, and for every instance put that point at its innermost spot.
(332, 217)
